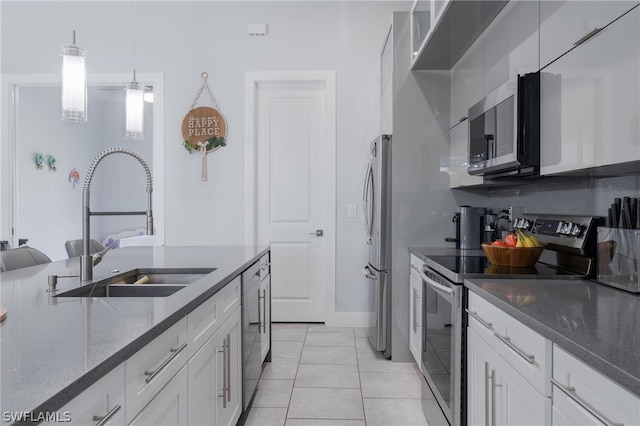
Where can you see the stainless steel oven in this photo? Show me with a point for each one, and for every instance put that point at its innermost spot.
(442, 341)
(569, 253)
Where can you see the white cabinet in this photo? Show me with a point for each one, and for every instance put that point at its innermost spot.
(508, 369)
(214, 376)
(415, 310)
(168, 406)
(497, 394)
(153, 366)
(590, 101)
(583, 396)
(229, 364)
(564, 23)
(102, 403)
(215, 380)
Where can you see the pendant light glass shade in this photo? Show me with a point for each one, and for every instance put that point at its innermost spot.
(134, 122)
(74, 82)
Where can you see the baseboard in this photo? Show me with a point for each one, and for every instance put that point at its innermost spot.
(350, 319)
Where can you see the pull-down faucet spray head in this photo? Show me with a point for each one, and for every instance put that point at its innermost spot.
(86, 260)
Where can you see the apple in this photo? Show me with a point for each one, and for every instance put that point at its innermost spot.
(511, 240)
(498, 243)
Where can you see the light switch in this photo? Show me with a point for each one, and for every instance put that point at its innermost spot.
(352, 210)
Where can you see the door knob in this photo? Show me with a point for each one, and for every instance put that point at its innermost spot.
(318, 233)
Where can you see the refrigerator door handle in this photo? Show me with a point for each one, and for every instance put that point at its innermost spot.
(367, 204)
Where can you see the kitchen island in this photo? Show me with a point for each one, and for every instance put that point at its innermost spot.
(53, 348)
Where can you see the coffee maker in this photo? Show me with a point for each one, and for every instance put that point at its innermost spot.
(470, 224)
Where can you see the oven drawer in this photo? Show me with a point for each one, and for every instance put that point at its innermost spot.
(525, 350)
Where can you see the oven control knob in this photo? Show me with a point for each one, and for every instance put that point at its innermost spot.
(567, 228)
(560, 227)
(576, 230)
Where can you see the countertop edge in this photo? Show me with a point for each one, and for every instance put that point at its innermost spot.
(614, 373)
(74, 389)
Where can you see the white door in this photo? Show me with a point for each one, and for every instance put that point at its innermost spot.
(293, 193)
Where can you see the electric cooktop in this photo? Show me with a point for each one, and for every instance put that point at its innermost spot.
(457, 268)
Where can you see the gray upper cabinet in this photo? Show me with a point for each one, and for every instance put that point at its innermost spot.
(590, 102)
(453, 27)
(511, 44)
(563, 24)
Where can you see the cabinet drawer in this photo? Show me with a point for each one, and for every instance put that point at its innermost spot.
(102, 401)
(149, 369)
(579, 388)
(203, 321)
(525, 350)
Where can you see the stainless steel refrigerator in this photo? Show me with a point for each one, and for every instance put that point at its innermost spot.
(376, 205)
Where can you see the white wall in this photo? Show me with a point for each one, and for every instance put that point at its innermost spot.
(48, 205)
(183, 39)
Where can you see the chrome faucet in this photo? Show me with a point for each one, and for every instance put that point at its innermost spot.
(87, 261)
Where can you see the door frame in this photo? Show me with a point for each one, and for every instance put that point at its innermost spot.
(10, 84)
(327, 78)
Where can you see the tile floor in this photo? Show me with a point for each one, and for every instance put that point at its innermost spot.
(332, 376)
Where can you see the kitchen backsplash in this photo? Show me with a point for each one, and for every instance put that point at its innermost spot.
(562, 195)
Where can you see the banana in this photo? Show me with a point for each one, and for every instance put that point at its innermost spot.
(528, 240)
(521, 239)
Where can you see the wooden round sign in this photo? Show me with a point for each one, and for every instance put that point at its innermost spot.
(206, 126)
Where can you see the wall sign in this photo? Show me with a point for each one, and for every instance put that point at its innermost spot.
(204, 129)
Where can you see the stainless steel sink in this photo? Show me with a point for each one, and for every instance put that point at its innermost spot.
(158, 282)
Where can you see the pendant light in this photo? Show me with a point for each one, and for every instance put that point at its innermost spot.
(74, 81)
(134, 121)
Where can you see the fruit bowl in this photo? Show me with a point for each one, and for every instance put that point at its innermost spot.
(515, 257)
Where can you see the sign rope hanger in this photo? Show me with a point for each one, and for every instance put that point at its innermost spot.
(204, 129)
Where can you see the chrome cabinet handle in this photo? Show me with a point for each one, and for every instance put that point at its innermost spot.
(474, 315)
(174, 353)
(264, 311)
(494, 385)
(228, 368)
(461, 119)
(507, 341)
(259, 313)
(588, 36)
(570, 391)
(226, 394)
(416, 303)
(103, 420)
(487, 391)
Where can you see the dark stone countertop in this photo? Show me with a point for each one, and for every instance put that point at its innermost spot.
(52, 348)
(594, 322)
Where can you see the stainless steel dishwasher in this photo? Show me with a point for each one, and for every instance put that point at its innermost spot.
(256, 324)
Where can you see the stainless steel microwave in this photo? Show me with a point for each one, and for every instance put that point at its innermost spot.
(504, 130)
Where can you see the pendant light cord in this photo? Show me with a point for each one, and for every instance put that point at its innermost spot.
(133, 31)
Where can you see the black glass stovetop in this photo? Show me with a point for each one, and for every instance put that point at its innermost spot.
(457, 268)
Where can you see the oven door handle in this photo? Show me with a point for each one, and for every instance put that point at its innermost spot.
(447, 292)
